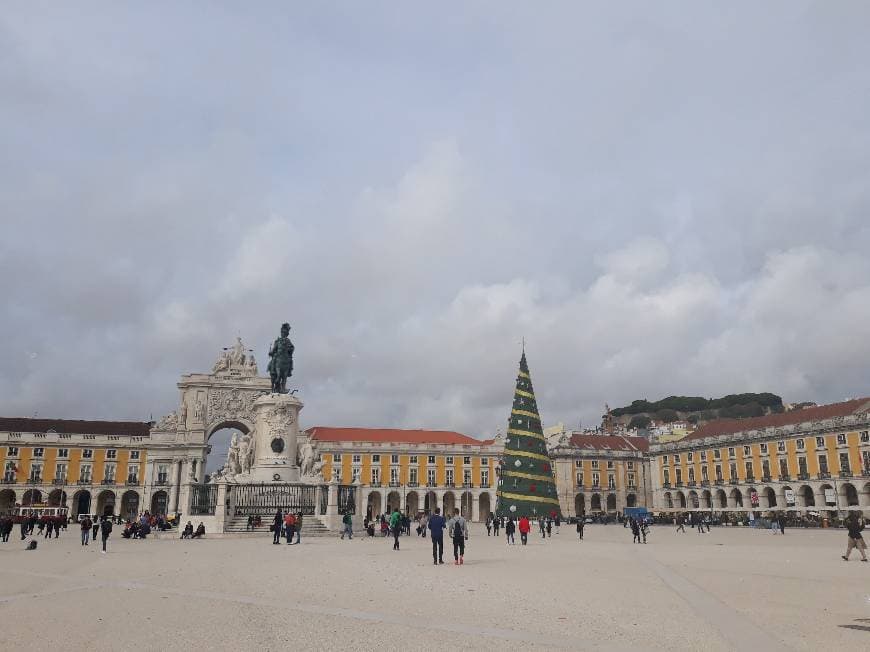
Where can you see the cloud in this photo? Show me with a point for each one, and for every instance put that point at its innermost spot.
(659, 203)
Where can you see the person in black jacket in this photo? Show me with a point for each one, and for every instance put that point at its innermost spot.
(276, 528)
(854, 525)
(105, 530)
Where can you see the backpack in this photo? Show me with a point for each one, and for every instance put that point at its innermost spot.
(457, 530)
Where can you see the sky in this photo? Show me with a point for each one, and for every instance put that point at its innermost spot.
(667, 198)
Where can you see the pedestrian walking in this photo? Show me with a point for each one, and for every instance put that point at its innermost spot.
(558, 522)
(86, 530)
(436, 529)
(276, 527)
(854, 527)
(347, 525)
(509, 529)
(298, 527)
(525, 527)
(580, 525)
(95, 529)
(105, 531)
(488, 524)
(635, 530)
(496, 524)
(543, 527)
(549, 527)
(395, 526)
(681, 524)
(781, 522)
(458, 530)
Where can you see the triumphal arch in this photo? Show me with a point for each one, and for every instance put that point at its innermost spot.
(270, 464)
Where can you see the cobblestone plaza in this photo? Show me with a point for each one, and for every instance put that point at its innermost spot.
(733, 588)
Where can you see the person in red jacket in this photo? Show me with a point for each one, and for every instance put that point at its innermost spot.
(524, 529)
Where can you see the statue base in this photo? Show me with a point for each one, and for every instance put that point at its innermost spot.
(276, 427)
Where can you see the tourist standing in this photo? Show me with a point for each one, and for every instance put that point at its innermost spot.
(543, 527)
(276, 527)
(488, 524)
(525, 528)
(509, 529)
(496, 525)
(549, 527)
(436, 528)
(458, 530)
(289, 527)
(396, 526)
(854, 527)
(347, 525)
(86, 529)
(558, 522)
(298, 527)
(635, 530)
(106, 530)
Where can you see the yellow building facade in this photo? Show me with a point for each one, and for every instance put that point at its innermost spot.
(815, 459)
(415, 470)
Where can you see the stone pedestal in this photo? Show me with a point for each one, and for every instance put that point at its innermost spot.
(276, 426)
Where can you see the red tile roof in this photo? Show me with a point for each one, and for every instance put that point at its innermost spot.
(75, 426)
(610, 442)
(731, 426)
(393, 435)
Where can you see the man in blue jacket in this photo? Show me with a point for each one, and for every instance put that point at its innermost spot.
(436, 526)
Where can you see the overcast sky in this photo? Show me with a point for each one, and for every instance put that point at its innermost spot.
(662, 198)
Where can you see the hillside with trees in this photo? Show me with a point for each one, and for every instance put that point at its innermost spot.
(696, 409)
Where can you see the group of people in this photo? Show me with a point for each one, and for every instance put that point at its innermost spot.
(189, 533)
(289, 525)
(639, 529)
(44, 526)
(90, 529)
(695, 520)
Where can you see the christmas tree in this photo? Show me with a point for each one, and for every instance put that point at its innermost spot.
(526, 486)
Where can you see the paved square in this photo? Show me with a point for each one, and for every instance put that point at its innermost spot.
(730, 589)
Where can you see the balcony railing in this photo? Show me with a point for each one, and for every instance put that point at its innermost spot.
(395, 484)
(132, 482)
(824, 475)
(784, 477)
(765, 478)
(749, 478)
(720, 481)
(161, 482)
(680, 483)
(449, 484)
(109, 481)
(705, 483)
(666, 485)
(59, 482)
(733, 481)
(866, 473)
(374, 484)
(484, 485)
(468, 485)
(413, 484)
(691, 483)
(34, 480)
(845, 474)
(8, 480)
(803, 476)
(83, 481)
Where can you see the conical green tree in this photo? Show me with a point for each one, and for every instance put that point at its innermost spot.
(526, 486)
